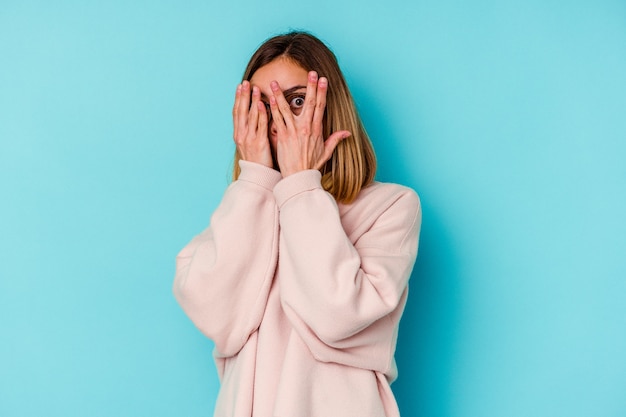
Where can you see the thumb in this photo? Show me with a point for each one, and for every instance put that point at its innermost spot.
(330, 144)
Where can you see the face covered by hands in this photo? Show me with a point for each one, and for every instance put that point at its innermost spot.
(295, 118)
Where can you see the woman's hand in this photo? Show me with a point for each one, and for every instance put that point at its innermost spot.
(250, 126)
(300, 141)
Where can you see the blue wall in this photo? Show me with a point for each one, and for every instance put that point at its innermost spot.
(507, 117)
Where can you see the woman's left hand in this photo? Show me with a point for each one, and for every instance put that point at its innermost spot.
(300, 141)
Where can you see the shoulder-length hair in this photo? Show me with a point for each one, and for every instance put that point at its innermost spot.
(353, 163)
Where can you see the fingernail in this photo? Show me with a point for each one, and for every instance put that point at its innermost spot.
(323, 82)
(245, 85)
(274, 85)
(312, 76)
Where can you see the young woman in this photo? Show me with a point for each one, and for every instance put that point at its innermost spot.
(301, 278)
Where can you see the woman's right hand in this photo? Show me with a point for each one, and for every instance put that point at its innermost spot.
(250, 126)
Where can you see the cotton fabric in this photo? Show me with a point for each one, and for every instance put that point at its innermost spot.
(302, 296)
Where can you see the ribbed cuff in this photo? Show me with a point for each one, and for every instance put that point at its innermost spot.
(259, 174)
(297, 183)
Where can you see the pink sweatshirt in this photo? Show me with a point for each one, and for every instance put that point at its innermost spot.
(302, 296)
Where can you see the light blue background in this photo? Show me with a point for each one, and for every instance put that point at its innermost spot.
(508, 118)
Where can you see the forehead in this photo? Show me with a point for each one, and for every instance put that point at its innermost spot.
(286, 72)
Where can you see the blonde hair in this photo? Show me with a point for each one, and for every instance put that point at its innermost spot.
(353, 163)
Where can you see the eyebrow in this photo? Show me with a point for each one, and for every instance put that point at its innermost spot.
(286, 92)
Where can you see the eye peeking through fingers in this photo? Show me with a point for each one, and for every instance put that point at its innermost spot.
(296, 103)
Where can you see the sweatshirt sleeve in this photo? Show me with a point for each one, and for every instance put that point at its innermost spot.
(345, 300)
(223, 275)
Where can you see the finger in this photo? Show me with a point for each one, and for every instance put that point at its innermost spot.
(330, 144)
(320, 106)
(282, 106)
(235, 110)
(277, 116)
(244, 105)
(253, 115)
(310, 97)
(262, 125)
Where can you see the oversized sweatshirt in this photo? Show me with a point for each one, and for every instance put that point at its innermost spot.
(302, 296)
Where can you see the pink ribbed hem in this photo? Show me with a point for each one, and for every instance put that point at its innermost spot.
(259, 174)
(297, 183)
